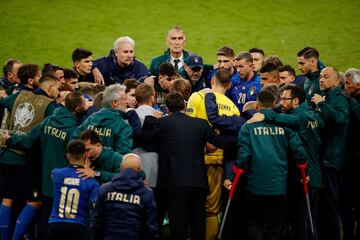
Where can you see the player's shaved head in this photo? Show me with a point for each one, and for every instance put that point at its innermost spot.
(131, 160)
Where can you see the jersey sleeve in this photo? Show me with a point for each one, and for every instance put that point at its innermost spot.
(193, 103)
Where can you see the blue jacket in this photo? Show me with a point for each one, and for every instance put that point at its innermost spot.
(125, 209)
(113, 73)
(5, 83)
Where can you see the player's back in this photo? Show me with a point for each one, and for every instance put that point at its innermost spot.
(72, 195)
(196, 108)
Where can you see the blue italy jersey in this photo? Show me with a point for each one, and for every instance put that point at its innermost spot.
(246, 91)
(71, 196)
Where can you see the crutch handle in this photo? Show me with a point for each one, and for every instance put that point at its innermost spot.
(238, 172)
(302, 168)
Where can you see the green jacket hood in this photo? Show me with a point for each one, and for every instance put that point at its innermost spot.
(106, 116)
(63, 117)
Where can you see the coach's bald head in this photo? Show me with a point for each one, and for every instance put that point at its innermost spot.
(131, 160)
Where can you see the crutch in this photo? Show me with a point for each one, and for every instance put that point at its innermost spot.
(238, 172)
(302, 168)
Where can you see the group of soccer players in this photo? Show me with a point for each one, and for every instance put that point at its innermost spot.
(66, 132)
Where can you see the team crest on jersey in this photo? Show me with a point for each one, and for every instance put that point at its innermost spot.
(24, 115)
(252, 91)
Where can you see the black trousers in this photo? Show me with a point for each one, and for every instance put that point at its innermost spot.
(235, 222)
(298, 210)
(67, 231)
(329, 217)
(186, 209)
(45, 212)
(161, 207)
(357, 204)
(347, 204)
(265, 216)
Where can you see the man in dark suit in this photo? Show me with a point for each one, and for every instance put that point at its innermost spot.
(182, 180)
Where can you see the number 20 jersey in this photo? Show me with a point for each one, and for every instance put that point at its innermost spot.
(72, 195)
(246, 91)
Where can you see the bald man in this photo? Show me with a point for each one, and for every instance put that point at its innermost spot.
(132, 161)
(335, 112)
(125, 208)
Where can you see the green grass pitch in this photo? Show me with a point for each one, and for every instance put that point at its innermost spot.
(47, 31)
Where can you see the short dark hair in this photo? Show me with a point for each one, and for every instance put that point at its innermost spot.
(73, 100)
(50, 68)
(130, 83)
(309, 52)
(70, 74)
(287, 68)
(274, 60)
(76, 149)
(27, 71)
(223, 76)
(143, 93)
(167, 69)
(80, 53)
(48, 78)
(257, 50)
(268, 67)
(244, 55)
(9, 66)
(295, 91)
(266, 99)
(226, 51)
(91, 135)
(175, 102)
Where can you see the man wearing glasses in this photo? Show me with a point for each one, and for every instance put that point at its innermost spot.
(306, 123)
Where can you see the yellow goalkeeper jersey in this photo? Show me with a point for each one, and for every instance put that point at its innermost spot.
(196, 108)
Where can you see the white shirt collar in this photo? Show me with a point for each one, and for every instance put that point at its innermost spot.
(181, 58)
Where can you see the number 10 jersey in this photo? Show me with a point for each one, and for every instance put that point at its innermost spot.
(72, 195)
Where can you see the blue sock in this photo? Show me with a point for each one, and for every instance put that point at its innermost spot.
(24, 221)
(5, 221)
